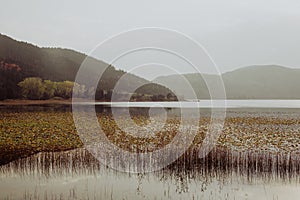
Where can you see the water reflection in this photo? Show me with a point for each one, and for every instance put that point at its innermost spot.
(223, 174)
(76, 174)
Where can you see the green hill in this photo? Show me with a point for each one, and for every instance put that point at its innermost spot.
(19, 60)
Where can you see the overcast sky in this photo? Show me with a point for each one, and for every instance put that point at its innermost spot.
(236, 33)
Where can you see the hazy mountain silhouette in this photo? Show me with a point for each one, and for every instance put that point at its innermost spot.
(253, 82)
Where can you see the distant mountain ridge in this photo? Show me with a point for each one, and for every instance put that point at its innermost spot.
(19, 60)
(252, 82)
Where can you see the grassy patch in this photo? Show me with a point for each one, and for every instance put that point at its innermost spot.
(26, 133)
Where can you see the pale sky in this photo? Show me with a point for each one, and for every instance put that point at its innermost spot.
(235, 33)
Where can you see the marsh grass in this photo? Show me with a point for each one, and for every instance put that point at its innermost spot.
(250, 145)
(219, 163)
(225, 166)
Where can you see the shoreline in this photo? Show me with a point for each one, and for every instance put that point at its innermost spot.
(15, 102)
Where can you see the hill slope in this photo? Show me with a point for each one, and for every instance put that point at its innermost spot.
(19, 60)
(253, 82)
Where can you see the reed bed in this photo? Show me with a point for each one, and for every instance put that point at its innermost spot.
(249, 145)
(226, 166)
(221, 163)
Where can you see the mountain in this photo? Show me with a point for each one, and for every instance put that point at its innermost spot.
(19, 60)
(252, 82)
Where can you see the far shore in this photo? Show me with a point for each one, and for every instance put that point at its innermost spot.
(15, 102)
(12, 102)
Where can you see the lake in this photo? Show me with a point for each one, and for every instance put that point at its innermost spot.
(75, 175)
(267, 103)
(235, 174)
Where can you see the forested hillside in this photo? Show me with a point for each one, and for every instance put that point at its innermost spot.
(20, 60)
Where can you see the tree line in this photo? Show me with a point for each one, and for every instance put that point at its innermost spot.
(35, 88)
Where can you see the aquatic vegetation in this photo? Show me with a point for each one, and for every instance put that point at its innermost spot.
(260, 148)
(24, 133)
(76, 172)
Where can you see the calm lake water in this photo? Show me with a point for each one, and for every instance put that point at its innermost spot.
(76, 174)
(210, 103)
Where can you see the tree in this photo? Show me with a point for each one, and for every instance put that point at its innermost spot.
(171, 97)
(32, 88)
(50, 88)
(79, 90)
(64, 89)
